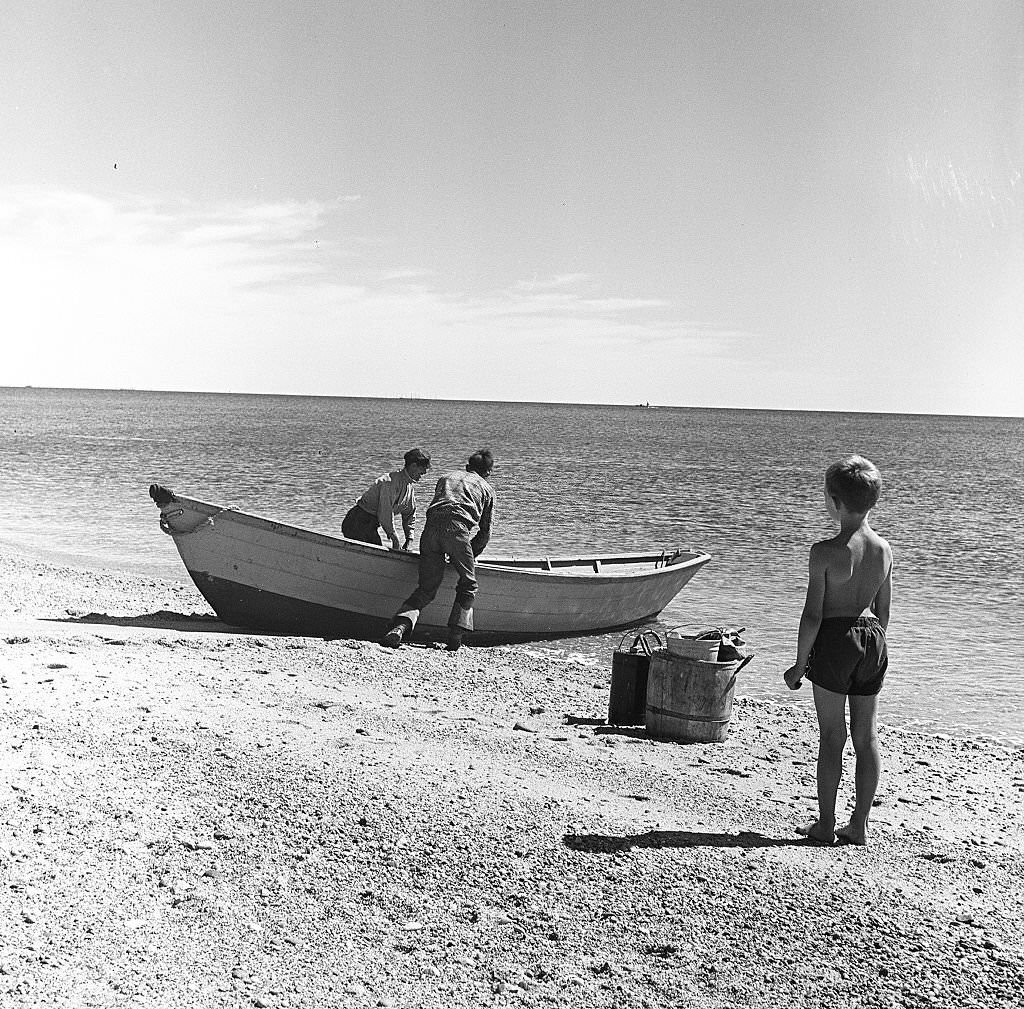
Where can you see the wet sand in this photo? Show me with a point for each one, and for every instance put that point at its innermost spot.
(196, 816)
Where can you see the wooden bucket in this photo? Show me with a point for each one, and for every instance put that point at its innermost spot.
(690, 700)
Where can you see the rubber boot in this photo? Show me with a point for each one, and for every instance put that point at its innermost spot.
(395, 636)
(454, 642)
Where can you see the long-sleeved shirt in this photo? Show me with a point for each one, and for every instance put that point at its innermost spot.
(389, 495)
(467, 498)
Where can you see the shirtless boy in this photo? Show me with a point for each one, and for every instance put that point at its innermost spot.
(841, 644)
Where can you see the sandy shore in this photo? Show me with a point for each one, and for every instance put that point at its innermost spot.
(196, 817)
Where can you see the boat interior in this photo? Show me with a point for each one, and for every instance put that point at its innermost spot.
(607, 563)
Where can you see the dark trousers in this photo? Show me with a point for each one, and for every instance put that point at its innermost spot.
(437, 540)
(360, 525)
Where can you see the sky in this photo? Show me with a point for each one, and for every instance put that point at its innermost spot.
(780, 205)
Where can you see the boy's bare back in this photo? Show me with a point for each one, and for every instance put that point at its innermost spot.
(855, 567)
(850, 575)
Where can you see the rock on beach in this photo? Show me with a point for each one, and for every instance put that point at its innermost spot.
(196, 816)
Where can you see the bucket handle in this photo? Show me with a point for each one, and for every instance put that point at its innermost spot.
(641, 642)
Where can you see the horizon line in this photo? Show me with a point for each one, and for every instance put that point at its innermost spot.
(508, 402)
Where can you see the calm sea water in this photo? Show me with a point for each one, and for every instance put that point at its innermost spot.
(75, 467)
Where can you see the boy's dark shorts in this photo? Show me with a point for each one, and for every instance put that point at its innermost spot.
(849, 656)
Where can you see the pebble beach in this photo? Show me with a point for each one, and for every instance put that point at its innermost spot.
(195, 816)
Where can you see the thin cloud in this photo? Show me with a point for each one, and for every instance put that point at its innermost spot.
(390, 276)
(264, 223)
(516, 302)
(279, 297)
(56, 218)
(558, 281)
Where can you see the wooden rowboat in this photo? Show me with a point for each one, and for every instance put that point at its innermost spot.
(269, 576)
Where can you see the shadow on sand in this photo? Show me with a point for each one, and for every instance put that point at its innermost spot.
(608, 843)
(206, 623)
(166, 620)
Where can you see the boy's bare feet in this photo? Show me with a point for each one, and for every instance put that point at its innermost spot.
(851, 834)
(817, 832)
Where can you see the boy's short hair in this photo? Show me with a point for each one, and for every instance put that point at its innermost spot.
(417, 456)
(856, 482)
(481, 462)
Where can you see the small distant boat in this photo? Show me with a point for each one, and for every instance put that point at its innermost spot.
(269, 576)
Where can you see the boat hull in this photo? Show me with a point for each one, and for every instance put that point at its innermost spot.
(269, 576)
(257, 609)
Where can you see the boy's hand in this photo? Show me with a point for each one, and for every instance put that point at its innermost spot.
(793, 676)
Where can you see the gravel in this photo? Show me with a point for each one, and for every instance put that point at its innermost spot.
(199, 817)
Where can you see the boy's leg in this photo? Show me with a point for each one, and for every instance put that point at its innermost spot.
(460, 555)
(863, 729)
(831, 711)
(431, 574)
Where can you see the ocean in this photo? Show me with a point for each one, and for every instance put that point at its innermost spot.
(744, 485)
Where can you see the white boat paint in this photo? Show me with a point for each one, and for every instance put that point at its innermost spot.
(268, 575)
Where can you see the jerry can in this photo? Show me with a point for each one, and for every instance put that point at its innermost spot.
(627, 701)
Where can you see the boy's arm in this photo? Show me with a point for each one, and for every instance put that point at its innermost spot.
(409, 518)
(810, 619)
(385, 513)
(883, 599)
(483, 536)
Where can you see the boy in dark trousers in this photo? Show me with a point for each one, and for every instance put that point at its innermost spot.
(457, 529)
(841, 645)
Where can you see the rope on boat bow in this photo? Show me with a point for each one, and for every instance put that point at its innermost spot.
(164, 496)
(208, 521)
(166, 526)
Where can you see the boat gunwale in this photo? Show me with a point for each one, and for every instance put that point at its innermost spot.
(511, 566)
